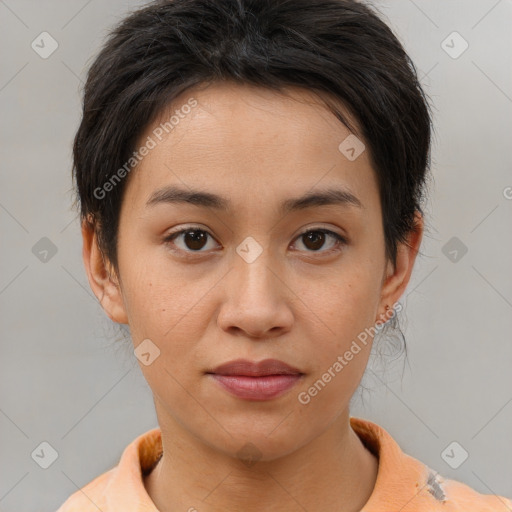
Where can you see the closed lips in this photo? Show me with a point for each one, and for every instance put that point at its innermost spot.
(247, 368)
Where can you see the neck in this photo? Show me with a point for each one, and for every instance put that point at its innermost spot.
(333, 469)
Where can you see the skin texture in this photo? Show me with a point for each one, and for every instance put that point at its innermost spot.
(297, 302)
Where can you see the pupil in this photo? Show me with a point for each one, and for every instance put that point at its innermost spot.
(317, 238)
(194, 242)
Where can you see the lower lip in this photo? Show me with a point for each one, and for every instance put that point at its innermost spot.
(257, 388)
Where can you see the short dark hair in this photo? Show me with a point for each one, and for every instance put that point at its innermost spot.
(340, 49)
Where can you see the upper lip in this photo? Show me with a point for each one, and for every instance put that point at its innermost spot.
(255, 369)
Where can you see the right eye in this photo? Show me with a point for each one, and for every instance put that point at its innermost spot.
(192, 240)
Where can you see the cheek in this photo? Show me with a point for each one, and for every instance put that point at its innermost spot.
(342, 343)
(173, 310)
(166, 311)
(174, 319)
(347, 306)
(156, 295)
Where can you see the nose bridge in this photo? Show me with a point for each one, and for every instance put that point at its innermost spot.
(252, 269)
(254, 301)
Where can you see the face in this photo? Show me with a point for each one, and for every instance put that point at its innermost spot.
(254, 269)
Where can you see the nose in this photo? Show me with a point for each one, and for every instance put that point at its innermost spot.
(256, 300)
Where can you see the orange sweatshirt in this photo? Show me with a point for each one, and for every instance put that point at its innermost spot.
(404, 484)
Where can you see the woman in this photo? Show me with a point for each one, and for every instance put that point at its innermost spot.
(250, 174)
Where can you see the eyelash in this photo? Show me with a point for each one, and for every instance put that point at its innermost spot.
(340, 240)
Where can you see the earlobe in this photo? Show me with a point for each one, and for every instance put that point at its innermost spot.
(101, 278)
(398, 275)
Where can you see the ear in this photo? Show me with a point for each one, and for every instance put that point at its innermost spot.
(102, 279)
(397, 276)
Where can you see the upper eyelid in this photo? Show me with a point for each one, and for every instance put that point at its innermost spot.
(198, 228)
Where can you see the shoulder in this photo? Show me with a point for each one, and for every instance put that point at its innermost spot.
(463, 498)
(122, 487)
(404, 483)
(90, 498)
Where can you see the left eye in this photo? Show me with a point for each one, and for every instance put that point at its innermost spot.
(315, 239)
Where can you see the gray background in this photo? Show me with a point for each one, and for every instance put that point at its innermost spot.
(67, 376)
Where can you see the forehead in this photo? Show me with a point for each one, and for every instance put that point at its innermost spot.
(257, 118)
(227, 136)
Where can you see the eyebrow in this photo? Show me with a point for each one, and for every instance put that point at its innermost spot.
(330, 196)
